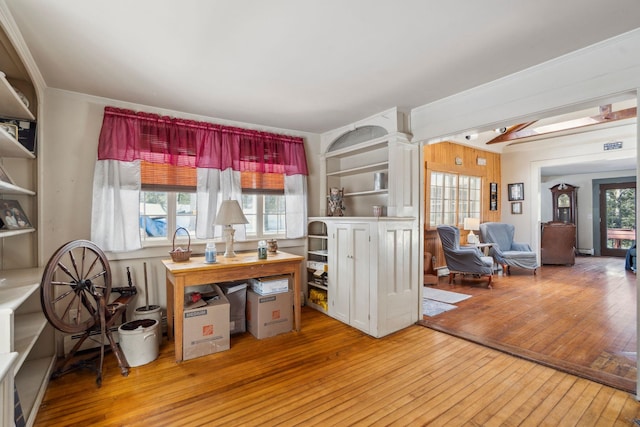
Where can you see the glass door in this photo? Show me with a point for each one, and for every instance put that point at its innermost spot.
(618, 218)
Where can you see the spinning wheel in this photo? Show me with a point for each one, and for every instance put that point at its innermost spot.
(75, 289)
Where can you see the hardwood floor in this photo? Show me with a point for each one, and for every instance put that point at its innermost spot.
(579, 319)
(332, 374)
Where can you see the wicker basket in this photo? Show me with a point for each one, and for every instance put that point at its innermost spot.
(180, 255)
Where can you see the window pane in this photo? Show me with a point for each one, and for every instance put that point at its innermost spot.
(273, 218)
(249, 208)
(153, 214)
(186, 211)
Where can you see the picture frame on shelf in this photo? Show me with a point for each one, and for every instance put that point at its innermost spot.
(516, 192)
(25, 131)
(12, 215)
(4, 176)
(516, 208)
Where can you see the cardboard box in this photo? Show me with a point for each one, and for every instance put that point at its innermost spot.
(270, 285)
(206, 329)
(236, 293)
(269, 315)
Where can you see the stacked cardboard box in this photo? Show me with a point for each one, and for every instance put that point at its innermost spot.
(269, 315)
(206, 328)
(270, 285)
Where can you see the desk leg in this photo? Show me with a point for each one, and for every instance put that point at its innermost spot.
(297, 312)
(169, 286)
(178, 317)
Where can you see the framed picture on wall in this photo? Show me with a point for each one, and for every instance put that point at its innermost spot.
(516, 192)
(493, 196)
(516, 208)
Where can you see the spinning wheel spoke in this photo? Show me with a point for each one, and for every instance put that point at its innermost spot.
(70, 302)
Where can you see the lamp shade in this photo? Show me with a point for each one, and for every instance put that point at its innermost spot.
(230, 213)
(472, 224)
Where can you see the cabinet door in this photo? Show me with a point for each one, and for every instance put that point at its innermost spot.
(360, 289)
(349, 274)
(398, 284)
(339, 271)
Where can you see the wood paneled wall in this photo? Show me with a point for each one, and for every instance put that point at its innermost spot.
(460, 159)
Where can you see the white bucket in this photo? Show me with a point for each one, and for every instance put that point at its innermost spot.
(150, 312)
(139, 341)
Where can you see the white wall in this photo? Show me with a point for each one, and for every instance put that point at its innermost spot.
(524, 166)
(71, 124)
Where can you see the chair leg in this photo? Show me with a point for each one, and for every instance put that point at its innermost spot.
(451, 277)
(506, 269)
(489, 283)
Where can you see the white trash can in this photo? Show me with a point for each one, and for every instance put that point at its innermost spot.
(150, 312)
(139, 341)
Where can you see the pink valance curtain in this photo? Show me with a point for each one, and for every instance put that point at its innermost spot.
(128, 136)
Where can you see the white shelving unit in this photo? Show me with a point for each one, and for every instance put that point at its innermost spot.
(317, 261)
(25, 332)
(27, 341)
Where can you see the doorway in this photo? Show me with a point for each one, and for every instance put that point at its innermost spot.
(617, 218)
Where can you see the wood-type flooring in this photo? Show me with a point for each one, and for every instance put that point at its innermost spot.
(580, 319)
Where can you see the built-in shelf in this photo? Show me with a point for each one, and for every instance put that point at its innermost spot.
(362, 169)
(6, 188)
(317, 236)
(361, 148)
(319, 252)
(12, 105)
(10, 147)
(366, 193)
(315, 285)
(16, 232)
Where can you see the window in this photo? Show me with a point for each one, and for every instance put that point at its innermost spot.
(453, 197)
(166, 205)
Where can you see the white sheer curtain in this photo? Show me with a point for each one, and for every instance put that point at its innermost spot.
(295, 193)
(115, 223)
(214, 186)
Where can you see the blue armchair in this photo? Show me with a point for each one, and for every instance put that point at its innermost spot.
(504, 250)
(465, 259)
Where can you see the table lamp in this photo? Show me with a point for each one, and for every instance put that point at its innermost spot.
(230, 213)
(472, 224)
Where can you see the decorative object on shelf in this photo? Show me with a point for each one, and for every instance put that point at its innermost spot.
(25, 131)
(230, 213)
(180, 254)
(493, 196)
(377, 211)
(336, 207)
(458, 161)
(516, 192)
(379, 181)
(22, 97)
(4, 176)
(12, 215)
(210, 253)
(11, 129)
(516, 208)
(272, 246)
(472, 224)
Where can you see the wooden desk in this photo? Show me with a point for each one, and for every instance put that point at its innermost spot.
(242, 266)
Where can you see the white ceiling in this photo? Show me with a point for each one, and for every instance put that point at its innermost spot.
(308, 65)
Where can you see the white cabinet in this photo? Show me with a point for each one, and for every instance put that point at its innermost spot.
(25, 332)
(373, 283)
(349, 273)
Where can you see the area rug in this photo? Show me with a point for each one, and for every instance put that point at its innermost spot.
(433, 308)
(443, 296)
